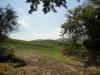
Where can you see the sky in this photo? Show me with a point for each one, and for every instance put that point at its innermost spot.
(38, 25)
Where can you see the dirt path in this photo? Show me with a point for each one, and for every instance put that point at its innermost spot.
(37, 65)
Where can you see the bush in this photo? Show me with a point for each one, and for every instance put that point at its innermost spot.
(79, 54)
(5, 54)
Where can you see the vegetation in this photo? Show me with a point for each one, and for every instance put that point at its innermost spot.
(46, 48)
(43, 53)
(8, 22)
(42, 57)
(48, 5)
(83, 25)
(51, 57)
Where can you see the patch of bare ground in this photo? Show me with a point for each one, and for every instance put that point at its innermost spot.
(37, 65)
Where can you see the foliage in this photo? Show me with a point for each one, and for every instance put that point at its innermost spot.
(74, 26)
(50, 49)
(47, 5)
(5, 54)
(8, 22)
(95, 1)
(84, 24)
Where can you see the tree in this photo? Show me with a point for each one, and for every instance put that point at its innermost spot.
(8, 22)
(93, 32)
(47, 5)
(95, 1)
(51, 4)
(84, 23)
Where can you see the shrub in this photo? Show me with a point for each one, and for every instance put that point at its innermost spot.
(5, 54)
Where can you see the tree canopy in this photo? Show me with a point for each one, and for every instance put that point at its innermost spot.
(51, 4)
(84, 23)
(8, 22)
(47, 5)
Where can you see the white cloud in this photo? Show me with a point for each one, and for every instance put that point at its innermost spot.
(47, 35)
(34, 27)
(20, 10)
(24, 19)
(39, 35)
(25, 22)
(35, 36)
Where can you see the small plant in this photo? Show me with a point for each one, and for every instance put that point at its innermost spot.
(17, 62)
(5, 54)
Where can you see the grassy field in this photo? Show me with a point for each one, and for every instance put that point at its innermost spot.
(43, 57)
(48, 48)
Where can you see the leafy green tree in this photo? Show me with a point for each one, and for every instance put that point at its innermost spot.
(8, 22)
(84, 23)
(47, 5)
(95, 1)
(51, 4)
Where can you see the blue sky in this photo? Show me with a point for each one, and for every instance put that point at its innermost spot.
(38, 25)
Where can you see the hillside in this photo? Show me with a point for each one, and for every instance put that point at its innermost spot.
(47, 48)
(50, 49)
(37, 44)
(43, 57)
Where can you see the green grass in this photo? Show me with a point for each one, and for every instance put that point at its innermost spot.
(36, 45)
(50, 49)
(46, 48)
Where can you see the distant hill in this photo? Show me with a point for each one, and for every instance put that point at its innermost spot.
(36, 44)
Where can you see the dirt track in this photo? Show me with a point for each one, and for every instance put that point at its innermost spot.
(36, 65)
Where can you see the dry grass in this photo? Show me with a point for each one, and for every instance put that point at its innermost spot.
(44, 58)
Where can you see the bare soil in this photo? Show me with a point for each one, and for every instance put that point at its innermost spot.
(37, 65)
